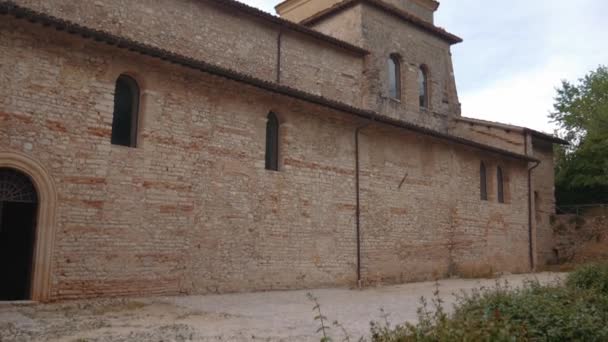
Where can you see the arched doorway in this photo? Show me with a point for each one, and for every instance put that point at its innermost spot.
(18, 213)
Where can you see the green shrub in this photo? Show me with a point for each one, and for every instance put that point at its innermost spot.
(546, 313)
(530, 313)
(590, 277)
(574, 311)
(435, 325)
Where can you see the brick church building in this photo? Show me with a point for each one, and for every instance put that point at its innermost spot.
(154, 147)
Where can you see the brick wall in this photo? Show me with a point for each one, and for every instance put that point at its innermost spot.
(490, 134)
(579, 239)
(423, 217)
(421, 9)
(383, 35)
(192, 209)
(543, 178)
(327, 72)
(206, 31)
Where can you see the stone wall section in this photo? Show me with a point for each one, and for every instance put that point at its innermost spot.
(204, 30)
(383, 35)
(543, 178)
(419, 8)
(506, 139)
(580, 239)
(345, 25)
(322, 71)
(192, 209)
(423, 217)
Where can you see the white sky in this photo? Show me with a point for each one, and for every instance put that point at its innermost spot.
(516, 52)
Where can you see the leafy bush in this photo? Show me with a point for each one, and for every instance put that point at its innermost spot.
(531, 313)
(435, 325)
(590, 277)
(574, 311)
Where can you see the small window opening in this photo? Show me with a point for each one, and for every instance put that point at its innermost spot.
(394, 77)
(483, 179)
(500, 185)
(272, 143)
(126, 110)
(423, 87)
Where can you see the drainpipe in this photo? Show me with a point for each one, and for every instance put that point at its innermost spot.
(358, 200)
(530, 213)
(530, 223)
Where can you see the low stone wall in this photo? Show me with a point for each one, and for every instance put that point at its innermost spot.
(580, 238)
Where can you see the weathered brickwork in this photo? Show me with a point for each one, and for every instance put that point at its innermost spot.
(204, 30)
(423, 9)
(326, 72)
(580, 239)
(383, 35)
(543, 179)
(491, 134)
(347, 25)
(423, 216)
(192, 208)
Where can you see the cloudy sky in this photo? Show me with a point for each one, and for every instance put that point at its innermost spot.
(515, 52)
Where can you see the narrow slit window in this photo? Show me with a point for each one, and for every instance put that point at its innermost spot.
(483, 182)
(394, 77)
(423, 87)
(500, 185)
(126, 111)
(272, 143)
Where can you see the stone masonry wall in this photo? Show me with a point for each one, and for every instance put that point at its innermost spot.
(203, 30)
(321, 71)
(509, 140)
(415, 8)
(580, 239)
(192, 209)
(543, 178)
(423, 216)
(383, 35)
(345, 25)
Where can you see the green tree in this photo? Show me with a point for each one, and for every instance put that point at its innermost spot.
(581, 112)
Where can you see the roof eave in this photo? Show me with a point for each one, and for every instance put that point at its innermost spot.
(509, 127)
(291, 25)
(547, 137)
(421, 24)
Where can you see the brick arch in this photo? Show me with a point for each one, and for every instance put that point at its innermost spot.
(45, 227)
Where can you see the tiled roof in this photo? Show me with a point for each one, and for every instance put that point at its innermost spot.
(10, 8)
(538, 134)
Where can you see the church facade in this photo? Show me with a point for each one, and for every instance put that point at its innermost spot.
(204, 146)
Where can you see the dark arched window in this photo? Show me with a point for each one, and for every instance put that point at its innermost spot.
(394, 77)
(483, 182)
(500, 185)
(272, 142)
(126, 110)
(423, 87)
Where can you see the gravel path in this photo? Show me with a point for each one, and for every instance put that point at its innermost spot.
(266, 316)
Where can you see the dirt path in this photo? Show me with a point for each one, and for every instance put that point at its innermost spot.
(268, 316)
